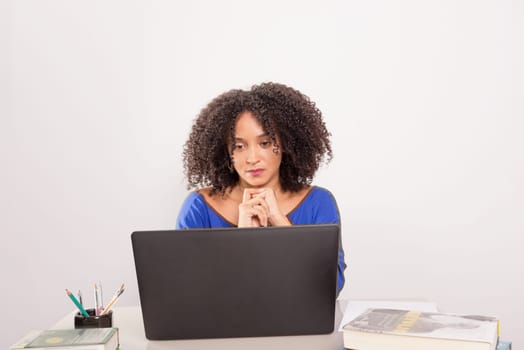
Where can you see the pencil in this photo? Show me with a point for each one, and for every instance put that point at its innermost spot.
(77, 303)
(117, 295)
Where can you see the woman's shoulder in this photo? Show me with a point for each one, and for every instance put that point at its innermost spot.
(319, 206)
(313, 196)
(320, 193)
(193, 200)
(195, 211)
(204, 197)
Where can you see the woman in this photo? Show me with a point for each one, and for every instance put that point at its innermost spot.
(252, 156)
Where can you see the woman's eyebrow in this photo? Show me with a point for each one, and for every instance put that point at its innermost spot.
(258, 136)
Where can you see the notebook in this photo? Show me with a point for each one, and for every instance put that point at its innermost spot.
(237, 282)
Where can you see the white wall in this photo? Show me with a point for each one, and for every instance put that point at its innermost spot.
(424, 100)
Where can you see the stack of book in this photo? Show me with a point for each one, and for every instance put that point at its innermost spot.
(392, 329)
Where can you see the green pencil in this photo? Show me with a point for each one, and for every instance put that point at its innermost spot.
(77, 303)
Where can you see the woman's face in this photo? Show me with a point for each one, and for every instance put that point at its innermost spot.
(254, 156)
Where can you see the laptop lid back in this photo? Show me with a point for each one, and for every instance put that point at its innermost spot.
(237, 282)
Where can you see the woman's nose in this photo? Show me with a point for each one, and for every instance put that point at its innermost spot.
(252, 155)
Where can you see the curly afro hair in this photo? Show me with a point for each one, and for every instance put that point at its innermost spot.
(284, 113)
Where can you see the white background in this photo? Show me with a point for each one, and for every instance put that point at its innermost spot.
(424, 100)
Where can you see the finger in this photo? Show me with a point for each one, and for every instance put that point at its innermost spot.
(259, 202)
(266, 198)
(247, 216)
(263, 204)
(261, 193)
(260, 214)
(250, 193)
(246, 196)
(255, 211)
(253, 206)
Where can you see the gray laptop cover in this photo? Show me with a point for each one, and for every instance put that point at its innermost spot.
(237, 282)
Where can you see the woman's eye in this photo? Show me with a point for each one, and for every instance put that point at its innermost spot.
(265, 144)
(238, 146)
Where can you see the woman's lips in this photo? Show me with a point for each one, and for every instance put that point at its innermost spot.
(256, 172)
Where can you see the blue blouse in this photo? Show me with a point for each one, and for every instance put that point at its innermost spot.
(318, 207)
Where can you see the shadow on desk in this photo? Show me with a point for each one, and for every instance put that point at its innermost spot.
(132, 337)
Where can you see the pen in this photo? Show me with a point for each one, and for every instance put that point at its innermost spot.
(100, 296)
(97, 302)
(117, 295)
(77, 303)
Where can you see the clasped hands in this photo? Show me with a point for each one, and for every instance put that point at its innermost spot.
(259, 208)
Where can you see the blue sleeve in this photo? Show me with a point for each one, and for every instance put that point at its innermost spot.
(193, 213)
(326, 212)
(326, 208)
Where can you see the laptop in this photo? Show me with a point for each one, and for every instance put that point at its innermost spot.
(237, 282)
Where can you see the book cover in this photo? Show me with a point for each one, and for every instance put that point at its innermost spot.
(504, 345)
(403, 327)
(88, 338)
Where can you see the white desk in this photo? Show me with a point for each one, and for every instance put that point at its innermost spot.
(132, 337)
